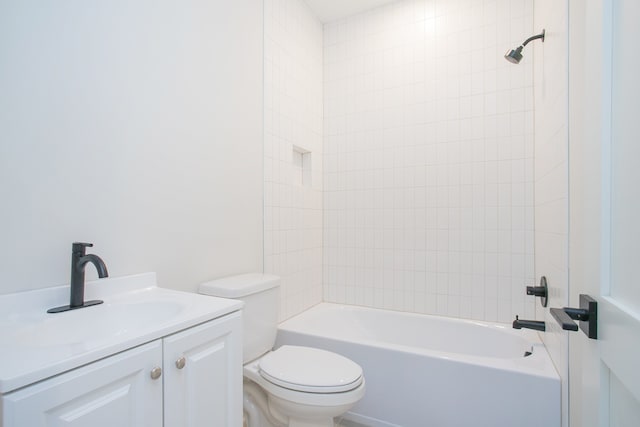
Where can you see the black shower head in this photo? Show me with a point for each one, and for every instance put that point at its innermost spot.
(514, 56)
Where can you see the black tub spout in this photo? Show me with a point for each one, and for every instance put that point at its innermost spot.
(528, 324)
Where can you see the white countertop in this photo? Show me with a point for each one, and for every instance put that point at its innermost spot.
(36, 345)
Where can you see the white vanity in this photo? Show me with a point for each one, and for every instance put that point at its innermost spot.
(146, 357)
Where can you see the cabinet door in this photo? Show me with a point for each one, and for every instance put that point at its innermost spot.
(116, 391)
(205, 390)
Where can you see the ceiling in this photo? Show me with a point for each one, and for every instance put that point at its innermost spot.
(332, 10)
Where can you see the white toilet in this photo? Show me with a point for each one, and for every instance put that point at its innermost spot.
(291, 386)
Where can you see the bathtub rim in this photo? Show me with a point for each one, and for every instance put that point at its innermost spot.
(539, 363)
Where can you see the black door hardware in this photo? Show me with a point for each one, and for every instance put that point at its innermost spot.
(587, 315)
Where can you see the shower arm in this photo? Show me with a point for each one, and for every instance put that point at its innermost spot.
(537, 36)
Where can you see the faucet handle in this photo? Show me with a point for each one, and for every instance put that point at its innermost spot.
(80, 247)
(540, 291)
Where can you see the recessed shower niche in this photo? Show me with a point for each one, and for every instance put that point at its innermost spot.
(301, 162)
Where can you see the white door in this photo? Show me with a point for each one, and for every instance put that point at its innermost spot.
(203, 375)
(605, 209)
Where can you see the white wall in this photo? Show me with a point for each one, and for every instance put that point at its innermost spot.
(552, 175)
(136, 126)
(293, 153)
(429, 159)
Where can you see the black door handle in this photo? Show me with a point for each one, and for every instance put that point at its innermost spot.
(587, 315)
(563, 319)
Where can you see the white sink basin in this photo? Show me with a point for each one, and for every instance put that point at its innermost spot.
(37, 344)
(84, 326)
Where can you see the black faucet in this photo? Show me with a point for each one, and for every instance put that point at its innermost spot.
(78, 261)
(528, 324)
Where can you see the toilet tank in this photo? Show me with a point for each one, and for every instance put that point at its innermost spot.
(259, 292)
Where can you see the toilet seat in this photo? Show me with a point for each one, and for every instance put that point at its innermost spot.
(250, 372)
(310, 370)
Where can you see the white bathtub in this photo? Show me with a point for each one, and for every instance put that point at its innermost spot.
(424, 371)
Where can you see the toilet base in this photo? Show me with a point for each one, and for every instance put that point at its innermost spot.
(263, 409)
(301, 423)
(256, 408)
(299, 415)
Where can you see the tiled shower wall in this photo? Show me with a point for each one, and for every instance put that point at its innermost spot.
(293, 153)
(428, 149)
(551, 78)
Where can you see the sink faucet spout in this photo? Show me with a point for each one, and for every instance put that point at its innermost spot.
(78, 262)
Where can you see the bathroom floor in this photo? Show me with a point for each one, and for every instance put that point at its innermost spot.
(347, 423)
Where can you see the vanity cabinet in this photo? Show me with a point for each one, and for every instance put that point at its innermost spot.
(192, 378)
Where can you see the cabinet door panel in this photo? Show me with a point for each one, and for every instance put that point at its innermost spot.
(207, 390)
(116, 391)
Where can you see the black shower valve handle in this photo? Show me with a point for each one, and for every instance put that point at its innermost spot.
(541, 291)
(537, 291)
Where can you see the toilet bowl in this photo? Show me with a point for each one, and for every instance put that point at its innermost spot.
(290, 386)
(307, 386)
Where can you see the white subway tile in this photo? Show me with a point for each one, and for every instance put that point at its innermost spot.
(419, 151)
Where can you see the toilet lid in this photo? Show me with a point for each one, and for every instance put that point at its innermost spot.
(310, 370)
